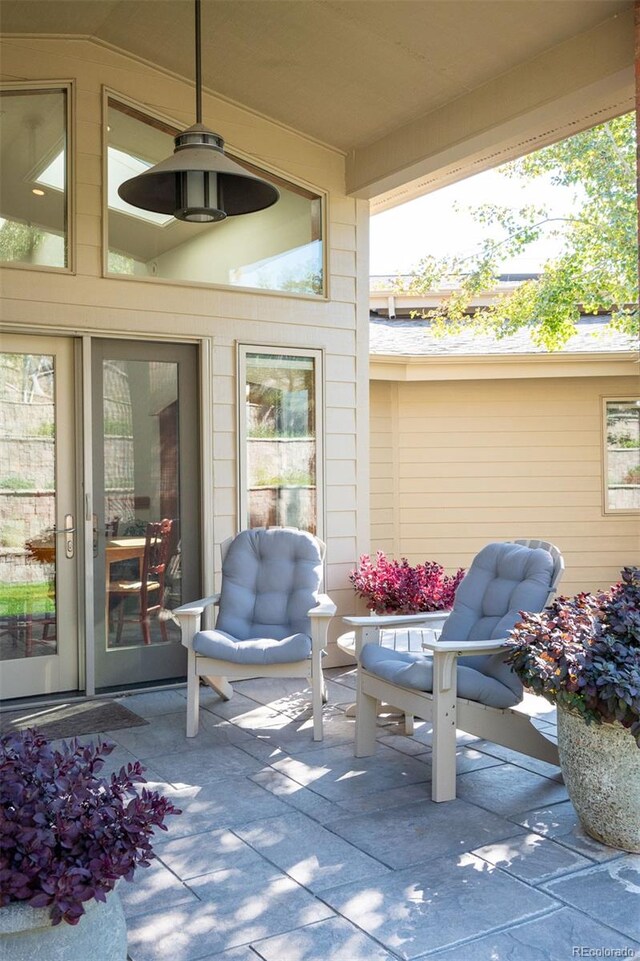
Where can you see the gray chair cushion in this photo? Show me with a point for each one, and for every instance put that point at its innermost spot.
(412, 670)
(256, 650)
(503, 580)
(270, 581)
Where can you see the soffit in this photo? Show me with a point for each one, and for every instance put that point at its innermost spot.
(346, 72)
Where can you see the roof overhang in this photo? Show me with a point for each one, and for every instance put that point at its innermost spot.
(414, 94)
(507, 367)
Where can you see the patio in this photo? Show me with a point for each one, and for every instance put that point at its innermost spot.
(290, 850)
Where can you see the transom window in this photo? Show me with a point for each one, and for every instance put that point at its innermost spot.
(622, 454)
(278, 249)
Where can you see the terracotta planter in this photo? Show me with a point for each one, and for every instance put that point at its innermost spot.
(26, 933)
(601, 768)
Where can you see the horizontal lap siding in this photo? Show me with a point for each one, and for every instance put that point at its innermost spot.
(384, 523)
(475, 461)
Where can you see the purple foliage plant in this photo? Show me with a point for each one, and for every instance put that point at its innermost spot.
(395, 587)
(584, 653)
(68, 835)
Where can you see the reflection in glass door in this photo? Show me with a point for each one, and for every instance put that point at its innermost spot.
(38, 538)
(146, 521)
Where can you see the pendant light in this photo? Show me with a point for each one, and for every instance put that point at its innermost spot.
(199, 183)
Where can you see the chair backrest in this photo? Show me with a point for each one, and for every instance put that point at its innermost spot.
(156, 549)
(111, 527)
(503, 580)
(270, 580)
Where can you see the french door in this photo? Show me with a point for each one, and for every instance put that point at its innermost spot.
(99, 512)
(145, 507)
(39, 543)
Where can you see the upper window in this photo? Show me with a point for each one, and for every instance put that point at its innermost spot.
(275, 249)
(33, 177)
(622, 455)
(280, 439)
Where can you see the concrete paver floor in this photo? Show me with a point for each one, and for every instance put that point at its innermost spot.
(290, 850)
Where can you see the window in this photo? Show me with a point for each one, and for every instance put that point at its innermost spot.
(34, 177)
(622, 455)
(280, 438)
(276, 249)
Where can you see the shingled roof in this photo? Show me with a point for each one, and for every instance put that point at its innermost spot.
(415, 338)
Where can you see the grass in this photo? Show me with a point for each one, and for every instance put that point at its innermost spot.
(31, 598)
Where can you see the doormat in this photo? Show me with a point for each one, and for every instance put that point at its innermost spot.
(71, 720)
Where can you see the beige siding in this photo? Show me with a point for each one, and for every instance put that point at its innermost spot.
(457, 464)
(86, 302)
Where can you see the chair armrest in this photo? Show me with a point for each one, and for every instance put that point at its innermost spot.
(324, 608)
(428, 618)
(197, 607)
(189, 617)
(320, 616)
(466, 647)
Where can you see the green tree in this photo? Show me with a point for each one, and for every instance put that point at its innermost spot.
(597, 269)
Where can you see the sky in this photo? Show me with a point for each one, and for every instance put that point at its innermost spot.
(399, 238)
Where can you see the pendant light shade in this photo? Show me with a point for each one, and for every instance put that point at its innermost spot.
(199, 183)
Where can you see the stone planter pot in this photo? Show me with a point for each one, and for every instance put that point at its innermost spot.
(601, 768)
(26, 933)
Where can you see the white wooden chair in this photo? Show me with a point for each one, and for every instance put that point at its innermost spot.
(465, 683)
(272, 621)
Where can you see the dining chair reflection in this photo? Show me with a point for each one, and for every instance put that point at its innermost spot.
(149, 588)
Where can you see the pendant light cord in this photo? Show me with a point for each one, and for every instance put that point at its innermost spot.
(198, 67)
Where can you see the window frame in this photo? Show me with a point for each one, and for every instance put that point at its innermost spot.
(257, 164)
(317, 355)
(49, 86)
(606, 509)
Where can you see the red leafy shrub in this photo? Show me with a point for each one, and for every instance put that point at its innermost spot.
(66, 834)
(584, 653)
(394, 587)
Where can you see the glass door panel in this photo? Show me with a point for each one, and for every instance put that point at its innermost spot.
(38, 539)
(146, 553)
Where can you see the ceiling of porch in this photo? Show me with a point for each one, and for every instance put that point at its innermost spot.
(395, 84)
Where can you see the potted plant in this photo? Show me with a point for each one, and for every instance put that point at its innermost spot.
(68, 836)
(395, 587)
(583, 654)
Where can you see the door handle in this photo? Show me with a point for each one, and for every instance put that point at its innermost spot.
(67, 532)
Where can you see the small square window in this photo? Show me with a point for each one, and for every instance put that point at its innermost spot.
(622, 455)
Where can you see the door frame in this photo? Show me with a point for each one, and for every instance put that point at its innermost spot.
(84, 441)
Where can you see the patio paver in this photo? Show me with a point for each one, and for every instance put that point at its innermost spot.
(337, 940)
(308, 852)
(550, 938)
(437, 903)
(609, 892)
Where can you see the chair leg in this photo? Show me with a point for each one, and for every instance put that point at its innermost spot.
(193, 696)
(317, 688)
(220, 685)
(366, 720)
(443, 787)
(146, 629)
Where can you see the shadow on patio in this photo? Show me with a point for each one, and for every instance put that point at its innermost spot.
(290, 850)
